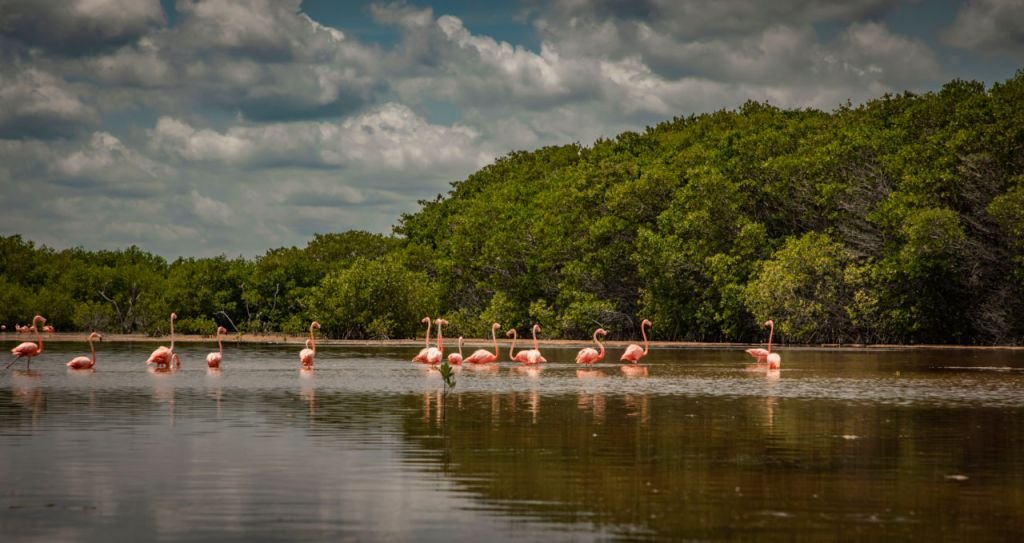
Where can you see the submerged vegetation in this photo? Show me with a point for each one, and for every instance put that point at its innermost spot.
(901, 220)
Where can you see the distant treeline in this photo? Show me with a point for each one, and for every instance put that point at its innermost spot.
(901, 220)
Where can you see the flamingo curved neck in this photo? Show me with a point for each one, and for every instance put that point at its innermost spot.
(599, 344)
(440, 338)
(172, 334)
(771, 332)
(494, 336)
(515, 336)
(38, 337)
(643, 332)
(426, 343)
(220, 344)
(93, 349)
(535, 338)
(312, 339)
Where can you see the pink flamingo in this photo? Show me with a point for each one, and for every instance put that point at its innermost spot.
(634, 353)
(48, 329)
(455, 359)
(590, 356)
(163, 357)
(483, 356)
(84, 362)
(422, 357)
(435, 354)
(27, 350)
(530, 356)
(213, 359)
(307, 355)
(762, 354)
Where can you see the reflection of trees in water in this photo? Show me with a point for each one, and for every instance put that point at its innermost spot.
(712, 467)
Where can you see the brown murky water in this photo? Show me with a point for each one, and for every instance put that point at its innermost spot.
(695, 444)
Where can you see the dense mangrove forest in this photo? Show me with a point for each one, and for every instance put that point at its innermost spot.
(900, 221)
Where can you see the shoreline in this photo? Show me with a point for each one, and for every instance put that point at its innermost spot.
(285, 339)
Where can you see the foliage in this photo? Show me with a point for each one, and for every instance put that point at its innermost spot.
(899, 220)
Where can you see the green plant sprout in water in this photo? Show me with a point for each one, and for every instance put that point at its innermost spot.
(448, 375)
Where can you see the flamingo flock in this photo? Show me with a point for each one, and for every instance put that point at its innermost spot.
(164, 358)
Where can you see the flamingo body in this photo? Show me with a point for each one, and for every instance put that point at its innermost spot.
(28, 349)
(455, 359)
(307, 355)
(762, 354)
(84, 362)
(163, 356)
(589, 355)
(422, 356)
(634, 352)
(483, 356)
(213, 359)
(774, 361)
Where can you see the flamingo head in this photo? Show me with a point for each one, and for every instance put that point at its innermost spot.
(536, 328)
(425, 320)
(222, 330)
(600, 331)
(647, 323)
(495, 326)
(38, 318)
(441, 322)
(314, 325)
(95, 335)
(511, 332)
(174, 316)
(769, 322)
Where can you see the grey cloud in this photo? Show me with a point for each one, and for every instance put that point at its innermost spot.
(989, 26)
(36, 104)
(78, 26)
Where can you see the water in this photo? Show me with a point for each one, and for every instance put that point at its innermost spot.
(695, 445)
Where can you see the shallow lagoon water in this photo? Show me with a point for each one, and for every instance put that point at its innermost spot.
(696, 444)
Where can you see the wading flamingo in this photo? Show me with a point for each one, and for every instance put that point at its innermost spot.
(164, 356)
(435, 354)
(213, 359)
(422, 357)
(483, 356)
(774, 361)
(589, 355)
(84, 362)
(634, 353)
(762, 354)
(455, 359)
(307, 355)
(526, 356)
(28, 349)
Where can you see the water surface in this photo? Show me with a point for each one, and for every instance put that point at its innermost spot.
(694, 444)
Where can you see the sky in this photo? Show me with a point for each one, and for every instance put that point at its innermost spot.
(200, 128)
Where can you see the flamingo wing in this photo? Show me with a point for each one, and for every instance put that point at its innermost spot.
(162, 355)
(759, 354)
(481, 356)
(588, 355)
(633, 353)
(422, 357)
(80, 363)
(25, 349)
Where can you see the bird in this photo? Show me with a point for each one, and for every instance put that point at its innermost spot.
(306, 355)
(163, 357)
(762, 354)
(48, 329)
(455, 359)
(435, 354)
(483, 356)
(84, 362)
(422, 357)
(634, 353)
(590, 356)
(774, 361)
(213, 359)
(27, 350)
(526, 356)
